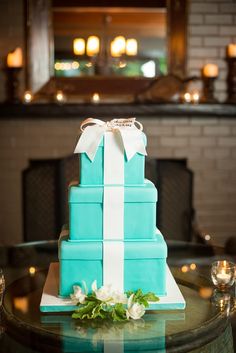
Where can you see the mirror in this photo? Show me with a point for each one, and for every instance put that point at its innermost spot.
(159, 30)
(121, 42)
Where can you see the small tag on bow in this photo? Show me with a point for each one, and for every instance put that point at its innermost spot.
(129, 122)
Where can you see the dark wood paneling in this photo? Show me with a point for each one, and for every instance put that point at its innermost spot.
(107, 3)
(177, 36)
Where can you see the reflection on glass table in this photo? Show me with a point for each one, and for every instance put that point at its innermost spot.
(204, 326)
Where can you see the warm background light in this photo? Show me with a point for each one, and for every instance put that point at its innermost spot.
(96, 98)
(187, 97)
(231, 50)
(28, 97)
(15, 58)
(115, 52)
(195, 97)
(60, 97)
(210, 70)
(32, 270)
(118, 46)
(79, 46)
(93, 46)
(131, 47)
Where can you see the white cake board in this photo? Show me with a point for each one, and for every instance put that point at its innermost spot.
(51, 302)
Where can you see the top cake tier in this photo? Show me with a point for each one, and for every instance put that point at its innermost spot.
(112, 156)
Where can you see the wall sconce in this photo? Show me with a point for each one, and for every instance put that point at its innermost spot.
(14, 65)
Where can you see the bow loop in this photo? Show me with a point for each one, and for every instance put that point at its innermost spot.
(93, 131)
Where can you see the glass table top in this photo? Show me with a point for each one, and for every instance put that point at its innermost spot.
(203, 326)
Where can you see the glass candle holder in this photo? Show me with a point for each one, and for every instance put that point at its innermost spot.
(223, 274)
(223, 301)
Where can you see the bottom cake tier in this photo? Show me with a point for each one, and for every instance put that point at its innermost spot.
(143, 264)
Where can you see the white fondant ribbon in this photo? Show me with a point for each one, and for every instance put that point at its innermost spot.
(113, 264)
(113, 213)
(94, 129)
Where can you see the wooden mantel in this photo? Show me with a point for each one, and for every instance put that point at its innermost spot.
(53, 110)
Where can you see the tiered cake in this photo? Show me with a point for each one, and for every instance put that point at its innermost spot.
(112, 227)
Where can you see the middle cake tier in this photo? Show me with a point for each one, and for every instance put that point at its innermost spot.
(112, 212)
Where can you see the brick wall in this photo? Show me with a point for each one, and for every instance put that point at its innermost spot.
(208, 144)
(211, 27)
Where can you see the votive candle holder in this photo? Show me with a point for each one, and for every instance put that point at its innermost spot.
(223, 274)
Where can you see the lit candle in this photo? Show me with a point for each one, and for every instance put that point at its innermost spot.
(115, 51)
(231, 50)
(187, 97)
(96, 98)
(79, 46)
(14, 59)
(28, 97)
(223, 277)
(60, 97)
(210, 70)
(32, 271)
(131, 47)
(118, 46)
(93, 46)
(195, 97)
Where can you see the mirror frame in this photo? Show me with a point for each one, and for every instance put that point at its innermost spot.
(40, 77)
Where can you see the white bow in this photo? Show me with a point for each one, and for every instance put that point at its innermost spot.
(131, 136)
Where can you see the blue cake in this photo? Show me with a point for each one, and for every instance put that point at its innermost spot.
(112, 236)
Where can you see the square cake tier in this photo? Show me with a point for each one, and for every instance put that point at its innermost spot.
(92, 172)
(87, 206)
(144, 264)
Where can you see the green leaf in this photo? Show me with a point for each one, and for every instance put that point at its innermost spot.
(95, 309)
(118, 312)
(144, 302)
(84, 311)
(129, 293)
(151, 297)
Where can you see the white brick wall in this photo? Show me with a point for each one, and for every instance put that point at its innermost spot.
(208, 144)
(211, 27)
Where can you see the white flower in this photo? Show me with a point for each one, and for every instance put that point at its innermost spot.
(104, 293)
(78, 295)
(118, 297)
(134, 310)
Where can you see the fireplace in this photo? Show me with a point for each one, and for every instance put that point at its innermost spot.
(45, 191)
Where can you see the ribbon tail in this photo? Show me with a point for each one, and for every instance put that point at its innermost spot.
(89, 141)
(133, 142)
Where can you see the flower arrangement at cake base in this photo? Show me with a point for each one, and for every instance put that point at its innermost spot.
(105, 303)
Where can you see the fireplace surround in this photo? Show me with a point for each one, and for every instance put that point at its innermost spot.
(205, 135)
